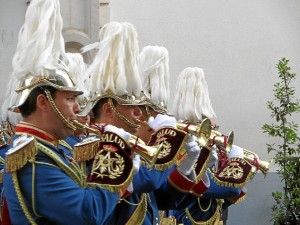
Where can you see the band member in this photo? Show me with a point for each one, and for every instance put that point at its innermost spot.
(77, 68)
(192, 104)
(116, 85)
(42, 186)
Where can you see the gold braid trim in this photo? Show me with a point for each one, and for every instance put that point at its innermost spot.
(214, 220)
(139, 214)
(111, 187)
(33, 190)
(1, 175)
(41, 80)
(73, 171)
(58, 113)
(200, 206)
(1, 199)
(2, 161)
(121, 116)
(75, 175)
(65, 144)
(20, 198)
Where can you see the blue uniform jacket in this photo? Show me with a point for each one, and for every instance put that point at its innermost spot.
(160, 196)
(207, 202)
(58, 199)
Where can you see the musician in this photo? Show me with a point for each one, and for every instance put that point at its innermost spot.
(192, 104)
(42, 186)
(115, 107)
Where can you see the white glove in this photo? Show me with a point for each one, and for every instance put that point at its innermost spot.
(236, 152)
(130, 188)
(161, 121)
(136, 161)
(213, 157)
(193, 152)
(119, 131)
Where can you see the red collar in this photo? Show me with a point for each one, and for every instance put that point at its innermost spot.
(27, 128)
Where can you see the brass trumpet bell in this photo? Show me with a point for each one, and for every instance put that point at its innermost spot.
(202, 131)
(149, 153)
(222, 140)
(251, 157)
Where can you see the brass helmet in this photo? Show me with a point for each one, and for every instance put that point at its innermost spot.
(58, 79)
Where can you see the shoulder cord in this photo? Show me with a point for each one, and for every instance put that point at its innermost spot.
(211, 221)
(2, 161)
(199, 204)
(21, 199)
(138, 216)
(65, 144)
(73, 174)
(72, 171)
(1, 199)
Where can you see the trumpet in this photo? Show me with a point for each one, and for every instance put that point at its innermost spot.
(85, 126)
(253, 158)
(202, 131)
(149, 153)
(222, 140)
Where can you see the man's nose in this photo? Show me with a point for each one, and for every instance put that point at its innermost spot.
(76, 108)
(137, 111)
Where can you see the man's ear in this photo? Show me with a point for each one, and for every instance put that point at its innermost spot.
(107, 110)
(42, 103)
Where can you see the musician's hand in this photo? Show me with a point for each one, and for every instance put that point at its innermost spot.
(213, 157)
(193, 152)
(136, 161)
(236, 152)
(161, 121)
(119, 131)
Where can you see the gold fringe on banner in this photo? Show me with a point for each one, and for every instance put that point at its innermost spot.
(86, 150)
(111, 187)
(24, 150)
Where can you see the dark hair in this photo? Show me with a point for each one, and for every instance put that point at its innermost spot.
(29, 106)
(97, 109)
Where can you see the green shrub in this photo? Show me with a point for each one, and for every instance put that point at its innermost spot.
(284, 107)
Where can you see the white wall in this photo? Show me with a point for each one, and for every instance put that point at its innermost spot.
(12, 15)
(236, 42)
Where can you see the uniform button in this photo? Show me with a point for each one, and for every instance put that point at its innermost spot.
(156, 218)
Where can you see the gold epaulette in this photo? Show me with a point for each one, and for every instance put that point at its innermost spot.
(86, 150)
(24, 150)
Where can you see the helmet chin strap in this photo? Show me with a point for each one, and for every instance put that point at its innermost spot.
(121, 116)
(57, 112)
